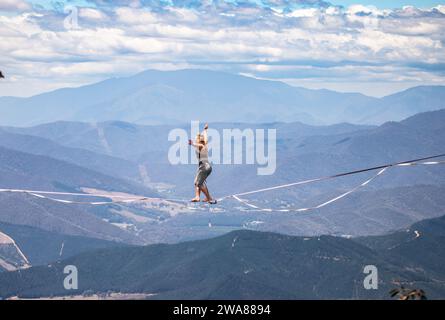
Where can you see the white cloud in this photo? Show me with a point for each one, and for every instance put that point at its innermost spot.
(92, 14)
(440, 8)
(134, 16)
(359, 9)
(238, 39)
(299, 13)
(14, 5)
(184, 15)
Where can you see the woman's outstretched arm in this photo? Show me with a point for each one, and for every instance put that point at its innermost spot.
(195, 144)
(204, 133)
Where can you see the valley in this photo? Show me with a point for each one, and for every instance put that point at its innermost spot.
(249, 265)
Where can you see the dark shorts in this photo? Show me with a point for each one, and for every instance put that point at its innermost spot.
(204, 170)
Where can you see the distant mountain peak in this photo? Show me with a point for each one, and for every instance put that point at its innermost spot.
(171, 97)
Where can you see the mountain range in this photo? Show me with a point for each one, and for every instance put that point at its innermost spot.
(252, 265)
(102, 163)
(112, 137)
(120, 156)
(34, 246)
(172, 97)
(302, 151)
(19, 170)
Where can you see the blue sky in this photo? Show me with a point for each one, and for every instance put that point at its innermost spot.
(382, 4)
(372, 47)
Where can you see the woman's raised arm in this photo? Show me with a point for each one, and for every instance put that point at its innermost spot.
(204, 133)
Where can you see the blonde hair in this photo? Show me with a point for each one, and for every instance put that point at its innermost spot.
(200, 138)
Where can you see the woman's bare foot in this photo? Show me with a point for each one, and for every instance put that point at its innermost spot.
(211, 201)
(195, 200)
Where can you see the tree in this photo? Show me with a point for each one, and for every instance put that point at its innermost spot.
(88, 293)
(408, 294)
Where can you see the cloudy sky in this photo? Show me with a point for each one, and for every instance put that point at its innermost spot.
(373, 47)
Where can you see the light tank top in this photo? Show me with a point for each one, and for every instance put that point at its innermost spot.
(203, 155)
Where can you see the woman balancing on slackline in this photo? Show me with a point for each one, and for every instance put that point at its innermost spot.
(204, 168)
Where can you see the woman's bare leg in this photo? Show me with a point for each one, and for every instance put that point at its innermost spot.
(197, 197)
(205, 190)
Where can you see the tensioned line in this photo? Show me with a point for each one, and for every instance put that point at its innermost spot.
(403, 163)
(122, 199)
